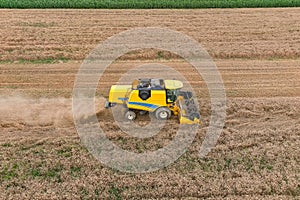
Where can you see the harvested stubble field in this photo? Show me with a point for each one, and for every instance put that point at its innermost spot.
(148, 4)
(257, 155)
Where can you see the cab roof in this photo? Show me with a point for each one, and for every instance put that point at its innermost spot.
(173, 84)
(156, 84)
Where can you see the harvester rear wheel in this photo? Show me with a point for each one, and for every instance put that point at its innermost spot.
(163, 113)
(130, 115)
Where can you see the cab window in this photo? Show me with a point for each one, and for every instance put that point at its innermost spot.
(171, 95)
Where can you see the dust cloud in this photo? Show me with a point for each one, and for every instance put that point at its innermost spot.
(28, 111)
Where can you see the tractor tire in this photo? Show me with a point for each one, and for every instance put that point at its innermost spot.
(130, 115)
(163, 113)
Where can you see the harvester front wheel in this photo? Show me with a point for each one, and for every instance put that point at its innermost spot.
(130, 115)
(162, 113)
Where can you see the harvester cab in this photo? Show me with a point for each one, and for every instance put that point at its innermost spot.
(161, 97)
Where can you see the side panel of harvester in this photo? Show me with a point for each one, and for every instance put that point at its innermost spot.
(156, 99)
(117, 93)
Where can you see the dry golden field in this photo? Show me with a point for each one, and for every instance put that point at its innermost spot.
(257, 156)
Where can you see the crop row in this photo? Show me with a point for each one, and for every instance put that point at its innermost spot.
(145, 4)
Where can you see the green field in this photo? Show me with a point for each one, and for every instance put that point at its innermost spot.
(144, 4)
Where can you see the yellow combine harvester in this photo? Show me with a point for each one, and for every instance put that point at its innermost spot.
(158, 96)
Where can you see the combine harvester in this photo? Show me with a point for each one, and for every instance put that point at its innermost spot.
(160, 97)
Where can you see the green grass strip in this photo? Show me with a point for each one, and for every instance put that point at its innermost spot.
(146, 4)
